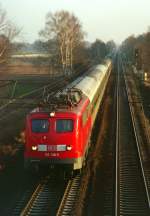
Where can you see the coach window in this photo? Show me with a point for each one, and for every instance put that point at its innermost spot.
(64, 125)
(40, 125)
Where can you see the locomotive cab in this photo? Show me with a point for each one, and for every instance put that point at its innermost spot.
(54, 139)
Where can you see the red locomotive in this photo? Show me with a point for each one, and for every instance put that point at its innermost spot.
(60, 135)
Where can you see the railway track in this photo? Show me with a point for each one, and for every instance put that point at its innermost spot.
(124, 170)
(50, 197)
(131, 189)
(44, 199)
(69, 198)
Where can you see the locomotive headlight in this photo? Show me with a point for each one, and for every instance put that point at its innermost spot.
(69, 148)
(34, 148)
(52, 114)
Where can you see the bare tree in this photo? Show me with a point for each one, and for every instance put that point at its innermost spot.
(144, 49)
(8, 31)
(98, 51)
(110, 45)
(137, 50)
(66, 29)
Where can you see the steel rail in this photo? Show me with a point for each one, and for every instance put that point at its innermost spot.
(43, 199)
(139, 101)
(117, 148)
(59, 211)
(138, 140)
(128, 159)
(69, 198)
(34, 196)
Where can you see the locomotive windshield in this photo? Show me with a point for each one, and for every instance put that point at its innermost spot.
(40, 125)
(64, 125)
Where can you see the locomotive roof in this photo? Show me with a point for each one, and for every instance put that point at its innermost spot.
(78, 109)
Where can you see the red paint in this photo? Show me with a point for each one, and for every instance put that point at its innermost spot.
(77, 139)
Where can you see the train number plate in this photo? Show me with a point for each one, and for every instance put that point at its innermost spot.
(51, 148)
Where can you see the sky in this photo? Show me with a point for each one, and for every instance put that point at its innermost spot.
(102, 19)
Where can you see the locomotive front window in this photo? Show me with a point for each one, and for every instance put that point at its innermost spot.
(40, 125)
(64, 125)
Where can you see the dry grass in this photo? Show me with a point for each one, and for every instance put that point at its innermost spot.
(9, 151)
(25, 69)
(7, 154)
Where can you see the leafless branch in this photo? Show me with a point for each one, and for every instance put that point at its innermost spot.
(8, 31)
(68, 31)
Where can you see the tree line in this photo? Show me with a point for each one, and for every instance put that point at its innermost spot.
(62, 37)
(137, 50)
(8, 31)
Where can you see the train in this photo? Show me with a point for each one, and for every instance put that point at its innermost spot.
(58, 134)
